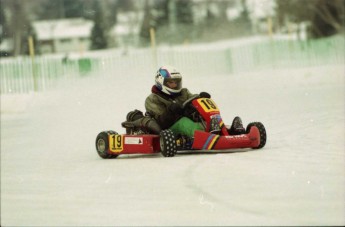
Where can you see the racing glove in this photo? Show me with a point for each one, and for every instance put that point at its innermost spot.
(204, 94)
(176, 108)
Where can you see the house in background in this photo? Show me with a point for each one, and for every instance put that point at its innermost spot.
(63, 35)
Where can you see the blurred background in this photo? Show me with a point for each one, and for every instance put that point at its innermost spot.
(42, 40)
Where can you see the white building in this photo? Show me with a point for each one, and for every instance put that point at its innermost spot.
(63, 35)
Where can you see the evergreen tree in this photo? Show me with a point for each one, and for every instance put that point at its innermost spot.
(125, 5)
(51, 10)
(243, 23)
(18, 25)
(245, 12)
(161, 11)
(184, 13)
(72, 9)
(148, 22)
(59, 9)
(98, 32)
(3, 22)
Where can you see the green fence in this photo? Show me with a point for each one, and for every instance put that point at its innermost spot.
(22, 75)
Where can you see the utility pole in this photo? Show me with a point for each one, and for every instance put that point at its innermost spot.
(32, 55)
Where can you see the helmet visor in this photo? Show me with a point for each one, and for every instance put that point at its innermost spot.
(173, 83)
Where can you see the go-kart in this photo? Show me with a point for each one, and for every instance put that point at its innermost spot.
(138, 140)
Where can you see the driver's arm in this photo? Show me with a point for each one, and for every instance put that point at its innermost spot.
(158, 111)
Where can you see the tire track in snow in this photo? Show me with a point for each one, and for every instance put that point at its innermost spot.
(209, 199)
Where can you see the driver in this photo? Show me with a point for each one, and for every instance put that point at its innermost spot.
(164, 104)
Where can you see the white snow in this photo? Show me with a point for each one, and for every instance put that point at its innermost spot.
(51, 174)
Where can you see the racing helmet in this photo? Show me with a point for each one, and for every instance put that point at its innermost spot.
(169, 80)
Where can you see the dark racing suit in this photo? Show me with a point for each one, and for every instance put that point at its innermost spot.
(158, 104)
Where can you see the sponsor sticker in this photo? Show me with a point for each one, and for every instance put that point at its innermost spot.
(243, 137)
(133, 140)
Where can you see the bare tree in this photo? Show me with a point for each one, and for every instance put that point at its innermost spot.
(325, 16)
(328, 18)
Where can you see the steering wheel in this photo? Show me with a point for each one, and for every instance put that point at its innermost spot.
(189, 110)
(188, 101)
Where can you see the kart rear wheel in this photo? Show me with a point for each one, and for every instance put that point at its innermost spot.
(102, 145)
(262, 130)
(167, 143)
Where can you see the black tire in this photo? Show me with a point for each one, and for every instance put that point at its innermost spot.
(102, 145)
(167, 143)
(262, 130)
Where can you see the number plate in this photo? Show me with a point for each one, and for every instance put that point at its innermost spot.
(207, 105)
(116, 143)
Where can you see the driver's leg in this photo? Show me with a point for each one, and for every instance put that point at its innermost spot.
(186, 126)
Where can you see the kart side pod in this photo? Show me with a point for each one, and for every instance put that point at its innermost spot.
(110, 144)
(207, 141)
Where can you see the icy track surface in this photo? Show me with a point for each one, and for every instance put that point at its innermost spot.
(51, 174)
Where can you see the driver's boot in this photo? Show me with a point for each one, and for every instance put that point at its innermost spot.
(146, 123)
(237, 127)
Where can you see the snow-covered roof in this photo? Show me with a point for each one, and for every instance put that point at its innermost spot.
(63, 28)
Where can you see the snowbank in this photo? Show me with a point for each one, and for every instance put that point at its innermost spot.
(52, 175)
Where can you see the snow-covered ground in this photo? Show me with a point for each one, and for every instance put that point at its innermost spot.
(51, 174)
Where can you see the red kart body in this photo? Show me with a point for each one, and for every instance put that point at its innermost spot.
(208, 141)
(133, 144)
(109, 144)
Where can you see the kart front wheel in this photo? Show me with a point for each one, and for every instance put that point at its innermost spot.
(167, 143)
(262, 130)
(102, 145)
